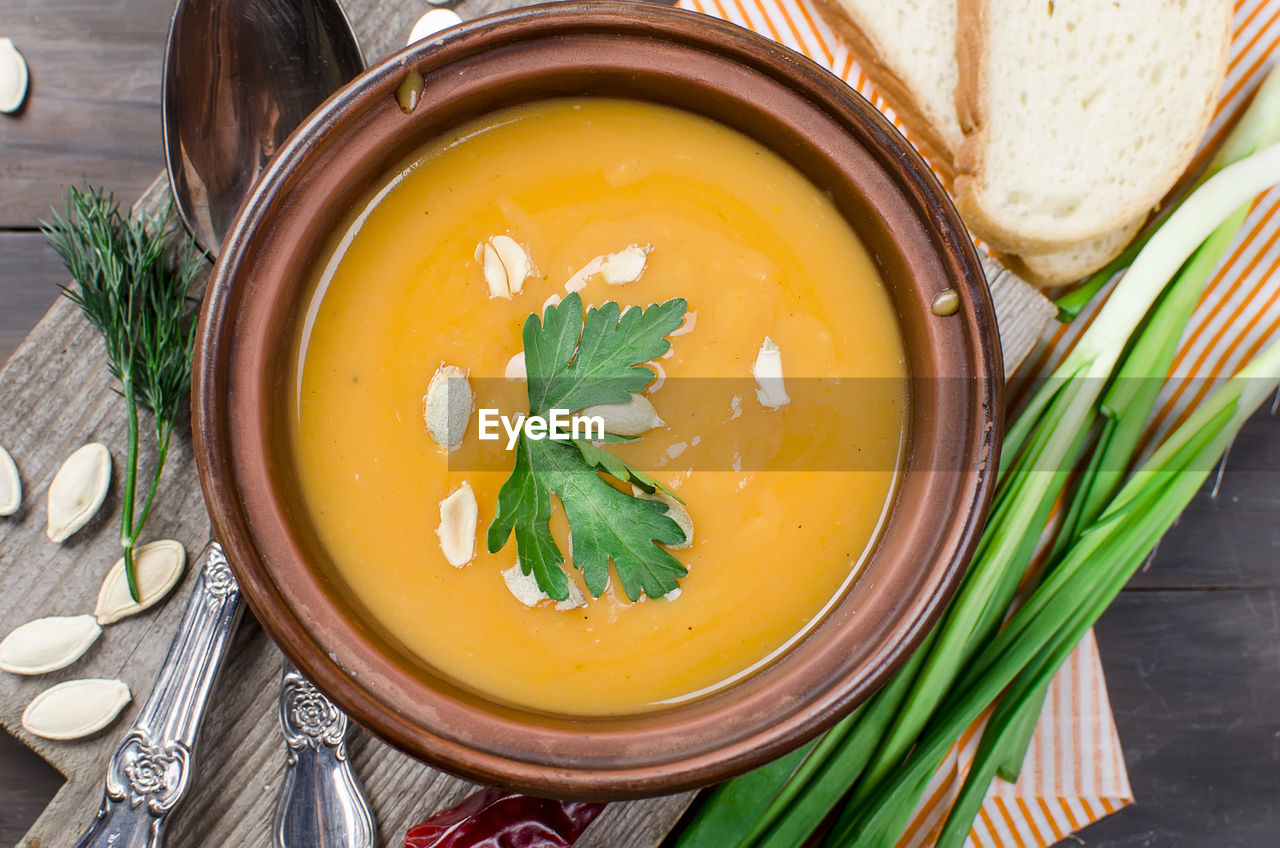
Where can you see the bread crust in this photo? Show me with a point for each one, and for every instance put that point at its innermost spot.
(971, 108)
(1050, 270)
(926, 138)
(969, 17)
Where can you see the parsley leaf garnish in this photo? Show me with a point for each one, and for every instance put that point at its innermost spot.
(573, 363)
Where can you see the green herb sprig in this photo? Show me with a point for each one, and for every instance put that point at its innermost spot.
(574, 363)
(131, 283)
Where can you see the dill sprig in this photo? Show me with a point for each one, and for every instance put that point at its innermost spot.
(133, 288)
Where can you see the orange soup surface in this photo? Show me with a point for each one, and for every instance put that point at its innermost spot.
(782, 517)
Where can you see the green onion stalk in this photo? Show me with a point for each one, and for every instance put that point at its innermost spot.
(863, 758)
(1039, 636)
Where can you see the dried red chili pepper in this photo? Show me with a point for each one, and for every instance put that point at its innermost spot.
(494, 818)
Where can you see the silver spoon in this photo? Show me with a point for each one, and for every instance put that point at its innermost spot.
(153, 765)
(240, 76)
(321, 805)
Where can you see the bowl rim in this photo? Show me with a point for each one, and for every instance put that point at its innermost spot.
(300, 639)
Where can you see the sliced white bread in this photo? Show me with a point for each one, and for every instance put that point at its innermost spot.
(1074, 263)
(907, 48)
(1080, 116)
(908, 51)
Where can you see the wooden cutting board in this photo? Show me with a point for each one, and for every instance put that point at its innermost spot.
(55, 396)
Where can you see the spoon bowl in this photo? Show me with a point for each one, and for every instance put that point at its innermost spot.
(240, 75)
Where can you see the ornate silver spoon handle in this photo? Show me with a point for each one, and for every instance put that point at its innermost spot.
(151, 769)
(321, 805)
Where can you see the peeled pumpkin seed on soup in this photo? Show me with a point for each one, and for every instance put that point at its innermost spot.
(631, 418)
(579, 280)
(446, 407)
(78, 490)
(526, 590)
(158, 567)
(76, 708)
(506, 265)
(772, 391)
(625, 266)
(48, 644)
(516, 368)
(457, 529)
(10, 485)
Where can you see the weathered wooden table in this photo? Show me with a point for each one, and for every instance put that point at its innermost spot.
(1192, 649)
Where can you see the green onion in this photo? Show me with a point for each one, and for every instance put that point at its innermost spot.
(726, 815)
(885, 753)
(1060, 414)
(1131, 398)
(1044, 631)
(1126, 408)
(1047, 440)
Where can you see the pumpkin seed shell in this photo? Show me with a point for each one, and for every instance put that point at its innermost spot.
(158, 568)
(76, 708)
(10, 484)
(78, 490)
(48, 644)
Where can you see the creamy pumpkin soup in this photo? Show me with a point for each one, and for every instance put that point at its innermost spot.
(541, 257)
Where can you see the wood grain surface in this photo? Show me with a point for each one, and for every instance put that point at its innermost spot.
(1192, 649)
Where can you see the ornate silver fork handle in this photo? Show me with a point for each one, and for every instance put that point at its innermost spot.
(321, 805)
(151, 769)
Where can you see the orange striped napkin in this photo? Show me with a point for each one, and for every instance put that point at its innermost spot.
(1074, 773)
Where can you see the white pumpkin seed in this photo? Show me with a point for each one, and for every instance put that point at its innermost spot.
(158, 568)
(516, 369)
(447, 405)
(432, 22)
(48, 644)
(13, 77)
(10, 484)
(676, 511)
(495, 276)
(515, 259)
(76, 708)
(768, 373)
(690, 321)
(625, 266)
(506, 265)
(526, 590)
(659, 376)
(632, 418)
(78, 490)
(457, 530)
(579, 280)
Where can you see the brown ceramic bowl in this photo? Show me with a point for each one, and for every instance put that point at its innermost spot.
(704, 66)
